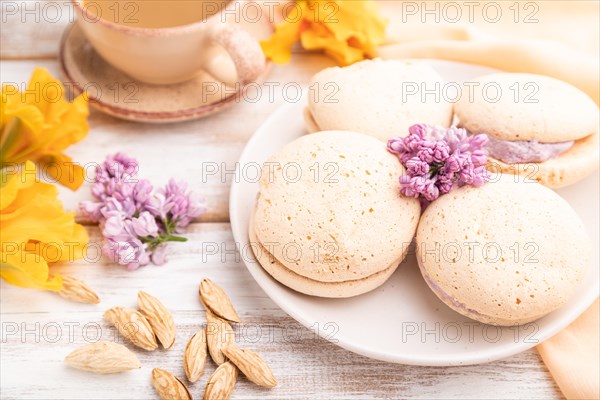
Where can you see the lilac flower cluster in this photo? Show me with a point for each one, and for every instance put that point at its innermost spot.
(438, 159)
(136, 222)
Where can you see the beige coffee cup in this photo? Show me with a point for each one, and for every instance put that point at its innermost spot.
(172, 47)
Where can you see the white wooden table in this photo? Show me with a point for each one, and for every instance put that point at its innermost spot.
(39, 328)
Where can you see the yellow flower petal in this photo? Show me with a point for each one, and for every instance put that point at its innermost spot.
(27, 270)
(40, 124)
(62, 169)
(278, 48)
(36, 214)
(35, 230)
(14, 105)
(341, 52)
(14, 181)
(72, 249)
(348, 31)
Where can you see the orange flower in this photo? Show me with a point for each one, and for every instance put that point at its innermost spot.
(35, 230)
(39, 124)
(347, 31)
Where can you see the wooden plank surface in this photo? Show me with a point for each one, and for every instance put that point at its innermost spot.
(40, 328)
(36, 325)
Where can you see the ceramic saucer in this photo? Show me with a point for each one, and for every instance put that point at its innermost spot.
(115, 93)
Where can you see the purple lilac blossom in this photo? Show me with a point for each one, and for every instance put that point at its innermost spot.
(136, 222)
(438, 160)
(177, 204)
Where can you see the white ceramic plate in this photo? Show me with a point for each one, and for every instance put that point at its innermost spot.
(401, 321)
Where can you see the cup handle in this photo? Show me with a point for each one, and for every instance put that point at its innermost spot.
(244, 51)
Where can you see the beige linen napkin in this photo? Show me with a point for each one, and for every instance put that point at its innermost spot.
(533, 56)
(572, 356)
(559, 39)
(564, 42)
